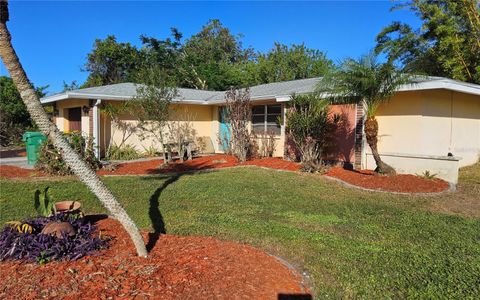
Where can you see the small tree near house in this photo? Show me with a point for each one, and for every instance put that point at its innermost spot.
(238, 116)
(307, 125)
(151, 106)
(367, 82)
(126, 129)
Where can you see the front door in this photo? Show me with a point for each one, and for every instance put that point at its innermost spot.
(224, 129)
(75, 119)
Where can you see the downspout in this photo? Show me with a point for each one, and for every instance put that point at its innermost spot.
(450, 143)
(96, 128)
(364, 140)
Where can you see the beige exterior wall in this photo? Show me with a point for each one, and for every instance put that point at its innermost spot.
(431, 122)
(62, 118)
(445, 168)
(200, 117)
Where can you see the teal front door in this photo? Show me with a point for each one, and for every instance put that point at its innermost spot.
(224, 129)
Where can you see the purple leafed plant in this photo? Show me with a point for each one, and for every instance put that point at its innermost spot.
(43, 248)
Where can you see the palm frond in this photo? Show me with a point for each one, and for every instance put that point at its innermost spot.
(360, 80)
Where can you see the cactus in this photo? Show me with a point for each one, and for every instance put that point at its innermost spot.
(43, 203)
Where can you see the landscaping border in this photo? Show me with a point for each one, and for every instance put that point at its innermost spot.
(452, 188)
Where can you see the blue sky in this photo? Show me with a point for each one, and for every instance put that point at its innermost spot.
(52, 39)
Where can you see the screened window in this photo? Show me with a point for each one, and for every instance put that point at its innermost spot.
(266, 118)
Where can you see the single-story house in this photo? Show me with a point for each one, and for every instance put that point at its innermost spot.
(432, 124)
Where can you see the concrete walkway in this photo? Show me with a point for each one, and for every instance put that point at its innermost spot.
(20, 162)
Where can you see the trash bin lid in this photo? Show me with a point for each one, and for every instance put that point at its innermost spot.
(31, 134)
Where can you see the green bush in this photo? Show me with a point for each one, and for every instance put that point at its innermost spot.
(307, 126)
(126, 152)
(51, 162)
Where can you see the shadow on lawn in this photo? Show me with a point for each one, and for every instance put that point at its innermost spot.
(154, 212)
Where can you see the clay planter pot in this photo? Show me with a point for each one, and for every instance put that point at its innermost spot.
(67, 207)
(59, 229)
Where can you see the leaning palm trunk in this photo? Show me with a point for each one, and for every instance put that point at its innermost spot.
(371, 133)
(72, 159)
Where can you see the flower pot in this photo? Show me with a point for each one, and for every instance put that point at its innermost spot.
(67, 207)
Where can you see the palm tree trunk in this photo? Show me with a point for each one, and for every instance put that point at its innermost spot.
(371, 133)
(72, 159)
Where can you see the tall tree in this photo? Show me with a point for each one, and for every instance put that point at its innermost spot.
(210, 56)
(368, 82)
(448, 43)
(14, 117)
(111, 62)
(284, 63)
(72, 158)
(163, 54)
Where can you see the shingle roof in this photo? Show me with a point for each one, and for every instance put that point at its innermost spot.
(125, 91)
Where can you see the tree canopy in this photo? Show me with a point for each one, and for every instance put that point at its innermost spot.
(111, 62)
(447, 44)
(212, 59)
(12, 107)
(288, 63)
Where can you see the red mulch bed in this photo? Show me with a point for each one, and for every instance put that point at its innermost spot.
(14, 172)
(364, 178)
(399, 183)
(199, 163)
(177, 268)
(148, 167)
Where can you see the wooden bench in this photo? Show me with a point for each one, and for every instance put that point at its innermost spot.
(187, 150)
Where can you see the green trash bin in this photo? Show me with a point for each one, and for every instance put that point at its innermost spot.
(33, 141)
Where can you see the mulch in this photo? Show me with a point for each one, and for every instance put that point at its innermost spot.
(177, 267)
(402, 183)
(16, 172)
(362, 178)
(197, 164)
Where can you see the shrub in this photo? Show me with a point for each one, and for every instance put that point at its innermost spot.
(151, 151)
(238, 115)
(307, 125)
(51, 162)
(43, 248)
(126, 152)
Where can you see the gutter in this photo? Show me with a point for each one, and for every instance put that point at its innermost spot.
(96, 128)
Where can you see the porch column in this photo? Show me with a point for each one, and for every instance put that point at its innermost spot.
(96, 128)
(359, 137)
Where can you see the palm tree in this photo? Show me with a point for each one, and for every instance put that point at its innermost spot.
(73, 160)
(364, 81)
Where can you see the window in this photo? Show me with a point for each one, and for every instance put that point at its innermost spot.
(266, 118)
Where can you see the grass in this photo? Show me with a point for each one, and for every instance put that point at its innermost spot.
(353, 244)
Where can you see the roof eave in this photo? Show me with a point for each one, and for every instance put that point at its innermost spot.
(69, 95)
(440, 84)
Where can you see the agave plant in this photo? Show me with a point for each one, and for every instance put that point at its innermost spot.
(43, 203)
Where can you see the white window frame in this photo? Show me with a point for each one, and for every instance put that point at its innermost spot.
(265, 115)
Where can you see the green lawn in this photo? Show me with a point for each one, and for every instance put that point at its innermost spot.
(353, 244)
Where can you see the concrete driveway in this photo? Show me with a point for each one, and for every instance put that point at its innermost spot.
(20, 162)
(14, 157)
